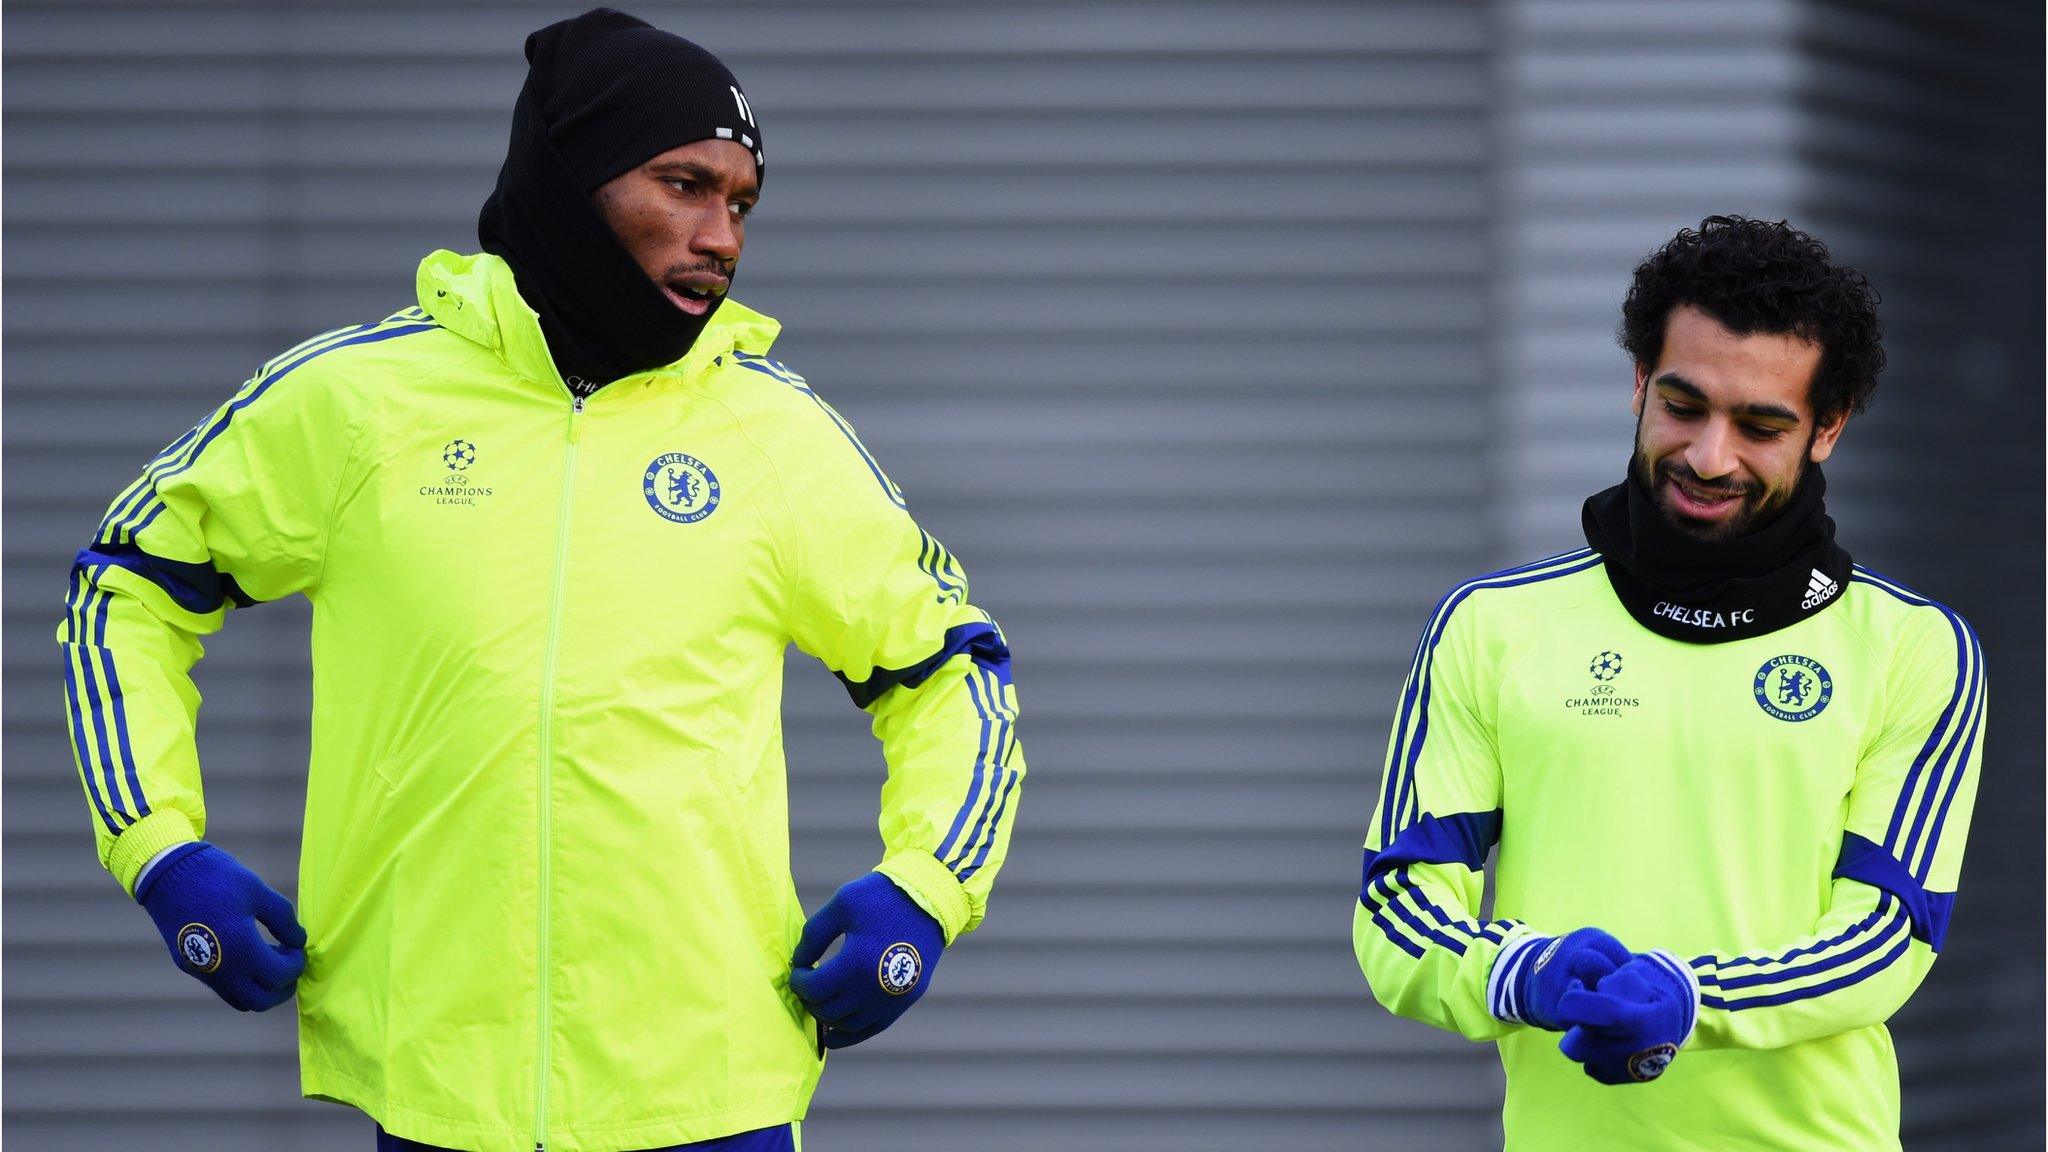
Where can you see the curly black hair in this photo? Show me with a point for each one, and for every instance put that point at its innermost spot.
(1763, 276)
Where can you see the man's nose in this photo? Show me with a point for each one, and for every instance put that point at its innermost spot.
(717, 235)
(1711, 454)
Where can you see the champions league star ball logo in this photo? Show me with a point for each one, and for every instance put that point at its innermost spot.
(899, 969)
(1601, 698)
(456, 487)
(199, 947)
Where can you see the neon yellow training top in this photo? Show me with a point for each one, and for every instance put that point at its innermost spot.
(545, 872)
(1786, 812)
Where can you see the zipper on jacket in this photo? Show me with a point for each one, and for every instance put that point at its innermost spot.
(547, 754)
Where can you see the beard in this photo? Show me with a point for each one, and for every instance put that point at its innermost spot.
(1759, 504)
(1654, 480)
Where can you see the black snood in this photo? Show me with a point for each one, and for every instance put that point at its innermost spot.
(604, 93)
(1713, 591)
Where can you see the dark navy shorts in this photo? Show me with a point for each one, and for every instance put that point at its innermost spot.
(781, 1139)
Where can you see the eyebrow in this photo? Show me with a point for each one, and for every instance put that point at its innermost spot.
(703, 174)
(1680, 384)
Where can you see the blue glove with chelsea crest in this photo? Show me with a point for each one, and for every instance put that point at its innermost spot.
(892, 947)
(1631, 1027)
(208, 906)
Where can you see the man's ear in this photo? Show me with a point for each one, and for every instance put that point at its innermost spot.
(1824, 437)
(1642, 390)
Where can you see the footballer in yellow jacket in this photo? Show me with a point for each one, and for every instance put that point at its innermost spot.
(1727, 772)
(558, 522)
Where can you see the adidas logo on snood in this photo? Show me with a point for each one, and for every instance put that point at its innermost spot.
(1819, 589)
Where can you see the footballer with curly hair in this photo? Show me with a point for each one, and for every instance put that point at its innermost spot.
(1726, 774)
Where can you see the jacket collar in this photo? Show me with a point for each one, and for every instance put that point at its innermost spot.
(476, 297)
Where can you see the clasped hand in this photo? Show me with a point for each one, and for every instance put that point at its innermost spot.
(1624, 1014)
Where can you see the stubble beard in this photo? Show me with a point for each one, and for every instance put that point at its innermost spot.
(1759, 506)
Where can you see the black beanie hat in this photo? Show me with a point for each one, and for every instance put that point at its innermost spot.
(621, 91)
(604, 92)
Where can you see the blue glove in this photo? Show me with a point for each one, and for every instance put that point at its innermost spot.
(207, 906)
(892, 947)
(1630, 1029)
(1531, 975)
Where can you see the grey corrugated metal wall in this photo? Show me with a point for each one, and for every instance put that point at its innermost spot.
(1925, 139)
(1619, 122)
(1168, 316)
(1908, 135)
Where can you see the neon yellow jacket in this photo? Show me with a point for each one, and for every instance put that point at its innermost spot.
(545, 871)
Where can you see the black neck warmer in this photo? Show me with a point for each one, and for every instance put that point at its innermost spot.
(604, 92)
(1710, 591)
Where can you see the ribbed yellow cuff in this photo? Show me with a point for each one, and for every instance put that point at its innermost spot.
(143, 839)
(935, 889)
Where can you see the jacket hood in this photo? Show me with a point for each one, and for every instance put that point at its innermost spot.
(476, 297)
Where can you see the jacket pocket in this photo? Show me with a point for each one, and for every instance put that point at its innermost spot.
(770, 890)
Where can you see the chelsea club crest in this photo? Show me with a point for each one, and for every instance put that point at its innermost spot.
(899, 968)
(1793, 688)
(680, 488)
(199, 947)
(1651, 1062)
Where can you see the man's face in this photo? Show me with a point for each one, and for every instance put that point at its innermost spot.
(1724, 424)
(682, 215)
